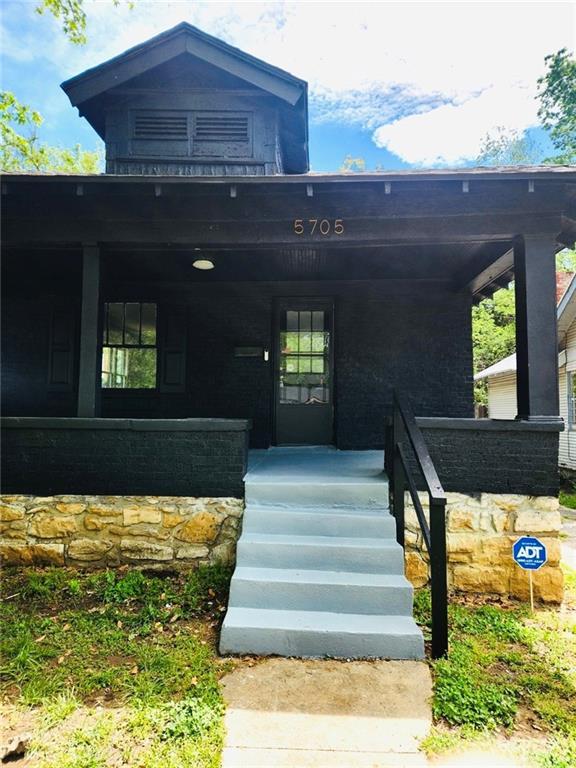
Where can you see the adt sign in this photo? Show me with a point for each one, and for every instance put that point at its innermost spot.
(529, 553)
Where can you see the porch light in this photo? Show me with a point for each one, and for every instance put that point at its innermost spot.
(203, 264)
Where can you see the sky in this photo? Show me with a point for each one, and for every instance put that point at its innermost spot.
(402, 85)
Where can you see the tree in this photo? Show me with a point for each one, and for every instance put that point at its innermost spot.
(508, 148)
(353, 164)
(21, 150)
(493, 334)
(72, 15)
(557, 110)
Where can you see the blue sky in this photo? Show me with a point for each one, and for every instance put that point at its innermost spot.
(399, 84)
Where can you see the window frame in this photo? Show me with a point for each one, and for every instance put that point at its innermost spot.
(107, 344)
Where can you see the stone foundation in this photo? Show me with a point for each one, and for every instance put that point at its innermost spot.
(173, 532)
(481, 530)
(99, 531)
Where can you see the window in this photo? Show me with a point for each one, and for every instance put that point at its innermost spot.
(304, 357)
(129, 352)
(571, 382)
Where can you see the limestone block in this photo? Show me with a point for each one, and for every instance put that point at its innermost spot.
(89, 549)
(411, 538)
(103, 510)
(202, 528)
(49, 526)
(14, 530)
(496, 550)
(501, 521)
(9, 512)
(545, 503)
(416, 569)
(134, 515)
(137, 549)
(548, 584)
(462, 547)
(96, 523)
(553, 550)
(224, 553)
(170, 509)
(505, 502)
(191, 552)
(474, 578)
(143, 531)
(466, 500)
(170, 520)
(534, 521)
(463, 519)
(12, 553)
(71, 508)
(40, 501)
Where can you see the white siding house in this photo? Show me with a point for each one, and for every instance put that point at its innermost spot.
(501, 380)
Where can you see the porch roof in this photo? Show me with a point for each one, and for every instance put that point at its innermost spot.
(464, 221)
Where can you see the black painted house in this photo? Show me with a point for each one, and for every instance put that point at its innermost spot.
(207, 290)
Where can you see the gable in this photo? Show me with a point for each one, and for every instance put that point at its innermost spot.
(184, 39)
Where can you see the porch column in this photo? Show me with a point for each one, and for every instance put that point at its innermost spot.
(536, 336)
(89, 341)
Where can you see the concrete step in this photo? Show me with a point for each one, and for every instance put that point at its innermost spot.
(317, 521)
(324, 553)
(305, 590)
(319, 634)
(293, 492)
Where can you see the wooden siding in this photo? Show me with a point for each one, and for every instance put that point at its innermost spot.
(502, 400)
(502, 397)
(567, 448)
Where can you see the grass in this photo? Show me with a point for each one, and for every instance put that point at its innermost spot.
(568, 494)
(509, 681)
(115, 667)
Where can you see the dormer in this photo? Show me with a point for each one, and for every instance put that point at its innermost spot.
(185, 103)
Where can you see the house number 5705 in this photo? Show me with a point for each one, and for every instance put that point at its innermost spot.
(318, 226)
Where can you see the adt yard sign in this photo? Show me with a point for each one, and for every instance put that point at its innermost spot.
(529, 553)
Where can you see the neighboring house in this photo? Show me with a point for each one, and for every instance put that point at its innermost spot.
(208, 295)
(501, 380)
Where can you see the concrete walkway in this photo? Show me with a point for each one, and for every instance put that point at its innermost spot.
(290, 713)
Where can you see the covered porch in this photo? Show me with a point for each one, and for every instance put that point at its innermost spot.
(377, 274)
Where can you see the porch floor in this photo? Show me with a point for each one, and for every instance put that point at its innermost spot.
(315, 464)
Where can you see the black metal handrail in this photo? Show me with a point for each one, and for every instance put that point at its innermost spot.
(402, 432)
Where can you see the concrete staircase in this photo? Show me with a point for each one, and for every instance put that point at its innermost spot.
(319, 572)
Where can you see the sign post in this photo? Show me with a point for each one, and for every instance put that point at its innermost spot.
(530, 554)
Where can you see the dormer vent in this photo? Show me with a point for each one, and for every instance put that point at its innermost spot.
(160, 125)
(226, 128)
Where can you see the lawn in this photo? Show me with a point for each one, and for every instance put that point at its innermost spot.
(119, 668)
(509, 683)
(114, 668)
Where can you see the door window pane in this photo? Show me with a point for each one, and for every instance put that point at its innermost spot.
(148, 328)
(304, 358)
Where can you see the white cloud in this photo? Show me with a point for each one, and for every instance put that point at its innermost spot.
(451, 134)
(429, 79)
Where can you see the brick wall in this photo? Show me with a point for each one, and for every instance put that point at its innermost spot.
(108, 457)
(516, 458)
(388, 334)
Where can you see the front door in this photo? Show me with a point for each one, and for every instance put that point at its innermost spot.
(304, 372)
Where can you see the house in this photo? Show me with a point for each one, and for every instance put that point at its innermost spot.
(209, 302)
(501, 380)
